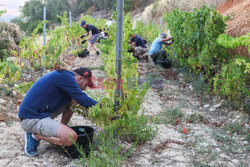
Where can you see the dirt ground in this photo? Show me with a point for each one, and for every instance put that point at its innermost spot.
(205, 133)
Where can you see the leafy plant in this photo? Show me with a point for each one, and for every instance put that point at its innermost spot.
(231, 42)
(232, 81)
(105, 151)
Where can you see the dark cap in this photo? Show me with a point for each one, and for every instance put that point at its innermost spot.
(83, 23)
(87, 74)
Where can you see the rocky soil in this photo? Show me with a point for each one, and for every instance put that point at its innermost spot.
(195, 128)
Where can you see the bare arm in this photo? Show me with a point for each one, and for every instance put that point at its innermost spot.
(166, 39)
(90, 35)
(66, 115)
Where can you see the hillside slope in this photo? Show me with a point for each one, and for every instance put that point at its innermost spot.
(239, 23)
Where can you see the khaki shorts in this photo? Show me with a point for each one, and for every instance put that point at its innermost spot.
(46, 126)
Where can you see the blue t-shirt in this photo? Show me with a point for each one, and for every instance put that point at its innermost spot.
(156, 46)
(50, 93)
(139, 41)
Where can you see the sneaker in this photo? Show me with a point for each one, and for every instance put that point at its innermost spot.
(31, 144)
(97, 52)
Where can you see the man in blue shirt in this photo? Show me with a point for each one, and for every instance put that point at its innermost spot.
(138, 47)
(155, 51)
(50, 96)
(93, 34)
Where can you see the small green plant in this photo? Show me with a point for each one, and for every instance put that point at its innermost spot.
(196, 118)
(236, 128)
(170, 116)
(105, 151)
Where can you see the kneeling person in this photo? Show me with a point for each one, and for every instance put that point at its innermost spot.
(159, 56)
(138, 47)
(50, 96)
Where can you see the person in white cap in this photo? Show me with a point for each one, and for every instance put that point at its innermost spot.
(155, 51)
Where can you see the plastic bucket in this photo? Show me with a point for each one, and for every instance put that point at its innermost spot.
(85, 137)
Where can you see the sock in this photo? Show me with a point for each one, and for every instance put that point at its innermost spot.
(34, 136)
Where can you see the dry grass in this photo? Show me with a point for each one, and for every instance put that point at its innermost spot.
(9, 36)
(156, 10)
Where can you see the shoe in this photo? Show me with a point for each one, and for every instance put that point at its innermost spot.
(97, 52)
(31, 144)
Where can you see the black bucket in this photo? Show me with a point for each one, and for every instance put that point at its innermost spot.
(85, 136)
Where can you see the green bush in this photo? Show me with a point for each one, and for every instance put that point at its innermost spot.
(195, 34)
(232, 81)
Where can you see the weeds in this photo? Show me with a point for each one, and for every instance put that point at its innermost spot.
(170, 116)
(105, 151)
(236, 128)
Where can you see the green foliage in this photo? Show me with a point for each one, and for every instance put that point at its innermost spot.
(142, 30)
(200, 44)
(10, 73)
(136, 128)
(130, 126)
(105, 151)
(232, 80)
(230, 42)
(2, 12)
(170, 116)
(56, 7)
(195, 34)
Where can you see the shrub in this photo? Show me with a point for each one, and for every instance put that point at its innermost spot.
(9, 36)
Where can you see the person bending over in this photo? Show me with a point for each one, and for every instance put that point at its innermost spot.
(138, 47)
(93, 34)
(50, 96)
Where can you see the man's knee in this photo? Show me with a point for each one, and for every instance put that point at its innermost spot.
(70, 139)
(67, 135)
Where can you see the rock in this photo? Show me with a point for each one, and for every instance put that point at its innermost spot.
(2, 101)
(190, 87)
(14, 93)
(212, 109)
(36, 164)
(217, 150)
(235, 161)
(206, 106)
(7, 154)
(245, 142)
(217, 105)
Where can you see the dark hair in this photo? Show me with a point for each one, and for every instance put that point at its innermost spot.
(83, 72)
(87, 74)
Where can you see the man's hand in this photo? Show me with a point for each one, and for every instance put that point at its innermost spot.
(82, 36)
(83, 41)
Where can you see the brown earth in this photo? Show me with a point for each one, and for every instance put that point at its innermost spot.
(239, 23)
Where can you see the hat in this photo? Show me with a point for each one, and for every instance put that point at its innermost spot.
(163, 35)
(87, 74)
(83, 23)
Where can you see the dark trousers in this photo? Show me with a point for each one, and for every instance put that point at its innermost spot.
(159, 57)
